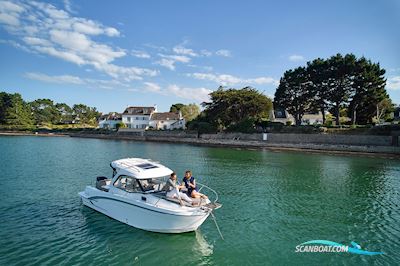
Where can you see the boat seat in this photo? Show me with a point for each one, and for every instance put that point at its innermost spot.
(176, 200)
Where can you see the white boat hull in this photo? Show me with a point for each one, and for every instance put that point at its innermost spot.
(144, 215)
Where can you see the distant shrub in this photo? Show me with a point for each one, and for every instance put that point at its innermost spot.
(120, 125)
(202, 127)
(244, 126)
(288, 123)
(328, 123)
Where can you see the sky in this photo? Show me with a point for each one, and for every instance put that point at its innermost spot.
(114, 54)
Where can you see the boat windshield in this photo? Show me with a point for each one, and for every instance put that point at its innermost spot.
(153, 184)
(130, 184)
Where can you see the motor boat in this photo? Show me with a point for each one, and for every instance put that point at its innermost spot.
(135, 196)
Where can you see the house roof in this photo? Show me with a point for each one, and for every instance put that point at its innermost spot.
(139, 110)
(110, 116)
(114, 116)
(165, 116)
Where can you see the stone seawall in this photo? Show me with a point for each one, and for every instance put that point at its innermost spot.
(331, 139)
(314, 142)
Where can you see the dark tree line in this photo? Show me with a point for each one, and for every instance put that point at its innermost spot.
(15, 111)
(232, 110)
(333, 84)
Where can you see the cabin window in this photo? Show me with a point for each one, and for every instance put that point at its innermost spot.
(127, 183)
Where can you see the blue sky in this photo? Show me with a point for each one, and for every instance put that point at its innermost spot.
(111, 54)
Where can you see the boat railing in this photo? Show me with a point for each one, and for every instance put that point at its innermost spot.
(208, 188)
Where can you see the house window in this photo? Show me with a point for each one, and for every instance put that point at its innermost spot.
(137, 118)
(129, 119)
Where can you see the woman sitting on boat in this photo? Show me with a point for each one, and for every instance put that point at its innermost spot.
(172, 188)
(190, 184)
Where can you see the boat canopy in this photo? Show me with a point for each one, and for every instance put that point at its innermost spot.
(140, 168)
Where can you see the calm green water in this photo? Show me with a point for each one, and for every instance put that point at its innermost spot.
(272, 201)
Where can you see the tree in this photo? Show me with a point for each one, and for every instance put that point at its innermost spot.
(64, 112)
(85, 114)
(231, 106)
(44, 111)
(190, 111)
(340, 76)
(120, 125)
(295, 93)
(317, 72)
(383, 108)
(337, 83)
(14, 110)
(176, 107)
(369, 85)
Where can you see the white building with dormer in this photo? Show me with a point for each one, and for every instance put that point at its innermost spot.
(138, 117)
(167, 121)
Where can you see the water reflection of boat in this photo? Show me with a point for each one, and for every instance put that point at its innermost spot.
(202, 245)
(134, 196)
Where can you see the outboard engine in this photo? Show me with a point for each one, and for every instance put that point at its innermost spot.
(102, 181)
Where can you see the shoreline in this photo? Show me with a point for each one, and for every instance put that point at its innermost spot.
(364, 151)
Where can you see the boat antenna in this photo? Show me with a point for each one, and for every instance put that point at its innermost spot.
(216, 225)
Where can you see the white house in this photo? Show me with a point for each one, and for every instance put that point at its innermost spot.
(312, 119)
(110, 120)
(167, 121)
(136, 117)
(281, 115)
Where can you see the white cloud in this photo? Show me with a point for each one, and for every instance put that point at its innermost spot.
(68, 6)
(393, 83)
(7, 6)
(205, 53)
(47, 30)
(169, 61)
(74, 80)
(224, 52)
(63, 79)
(11, 20)
(140, 54)
(179, 49)
(296, 58)
(263, 80)
(17, 45)
(194, 94)
(36, 41)
(178, 58)
(225, 79)
(152, 87)
(205, 68)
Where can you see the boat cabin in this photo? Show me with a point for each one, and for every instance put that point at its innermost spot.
(135, 175)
